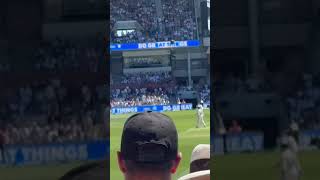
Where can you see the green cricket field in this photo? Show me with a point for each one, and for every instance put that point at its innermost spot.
(189, 137)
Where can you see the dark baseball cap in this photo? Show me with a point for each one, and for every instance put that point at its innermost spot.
(149, 137)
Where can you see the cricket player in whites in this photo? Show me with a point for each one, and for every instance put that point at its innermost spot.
(200, 114)
(290, 165)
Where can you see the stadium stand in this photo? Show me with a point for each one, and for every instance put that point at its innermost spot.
(170, 20)
(157, 88)
(63, 55)
(52, 112)
(49, 110)
(304, 103)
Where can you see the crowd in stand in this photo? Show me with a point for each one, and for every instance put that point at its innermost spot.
(205, 93)
(50, 111)
(304, 104)
(179, 20)
(62, 55)
(142, 89)
(176, 23)
(147, 77)
(156, 88)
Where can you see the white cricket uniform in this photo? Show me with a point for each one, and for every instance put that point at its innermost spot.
(200, 114)
(293, 145)
(290, 165)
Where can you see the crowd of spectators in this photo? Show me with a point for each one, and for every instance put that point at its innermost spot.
(50, 111)
(150, 88)
(32, 132)
(156, 88)
(147, 77)
(176, 23)
(179, 20)
(304, 104)
(204, 92)
(62, 55)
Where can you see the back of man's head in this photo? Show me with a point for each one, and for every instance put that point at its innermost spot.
(149, 147)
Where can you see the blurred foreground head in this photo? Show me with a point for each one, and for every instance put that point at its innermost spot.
(199, 164)
(149, 147)
(96, 171)
(199, 175)
(200, 158)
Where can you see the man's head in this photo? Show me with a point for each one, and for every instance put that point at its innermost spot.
(200, 158)
(149, 147)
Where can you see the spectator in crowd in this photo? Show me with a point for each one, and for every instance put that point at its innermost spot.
(142, 156)
(235, 127)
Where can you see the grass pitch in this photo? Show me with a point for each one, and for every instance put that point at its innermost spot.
(189, 137)
(262, 166)
(48, 172)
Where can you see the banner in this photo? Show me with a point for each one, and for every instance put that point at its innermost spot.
(155, 108)
(55, 153)
(154, 45)
(242, 142)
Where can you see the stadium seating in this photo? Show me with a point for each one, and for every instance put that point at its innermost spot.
(171, 20)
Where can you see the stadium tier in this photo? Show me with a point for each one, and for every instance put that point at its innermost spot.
(151, 21)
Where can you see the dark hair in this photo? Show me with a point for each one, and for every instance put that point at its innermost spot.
(133, 166)
(199, 165)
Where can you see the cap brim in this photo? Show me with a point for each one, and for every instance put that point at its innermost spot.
(196, 175)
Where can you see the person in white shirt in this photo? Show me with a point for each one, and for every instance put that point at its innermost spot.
(200, 114)
(290, 165)
(294, 131)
